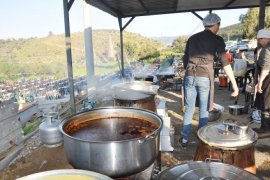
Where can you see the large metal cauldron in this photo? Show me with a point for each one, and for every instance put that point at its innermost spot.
(196, 170)
(111, 147)
(130, 98)
(230, 143)
(139, 94)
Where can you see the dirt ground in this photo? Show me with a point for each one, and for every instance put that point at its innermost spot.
(43, 158)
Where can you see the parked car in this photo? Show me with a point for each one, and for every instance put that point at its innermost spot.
(242, 46)
(230, 45)
(252, 44)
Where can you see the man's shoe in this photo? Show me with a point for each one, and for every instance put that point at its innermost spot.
(183, 142)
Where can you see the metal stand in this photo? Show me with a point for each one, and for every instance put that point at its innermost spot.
(157, 168)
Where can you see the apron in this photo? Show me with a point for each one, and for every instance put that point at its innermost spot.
(262, 100)
(210, 69)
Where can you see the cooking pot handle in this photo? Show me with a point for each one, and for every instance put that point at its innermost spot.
(228, 124)
(148, 137)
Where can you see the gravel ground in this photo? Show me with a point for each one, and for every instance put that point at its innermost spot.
(31, 144)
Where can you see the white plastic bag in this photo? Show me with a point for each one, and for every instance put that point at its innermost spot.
(239, 67)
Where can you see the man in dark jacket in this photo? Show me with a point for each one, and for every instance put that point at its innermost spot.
(202, 50)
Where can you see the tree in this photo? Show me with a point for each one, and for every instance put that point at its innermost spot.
(179, 44)
(251, 21)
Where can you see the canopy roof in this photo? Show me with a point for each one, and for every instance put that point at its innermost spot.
(130, 8)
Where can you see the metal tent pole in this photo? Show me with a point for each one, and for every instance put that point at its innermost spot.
(121, 46)
(88, 43)
(122, 28)
(261, 15)
(67, 6)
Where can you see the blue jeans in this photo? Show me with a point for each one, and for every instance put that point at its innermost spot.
(195, 86)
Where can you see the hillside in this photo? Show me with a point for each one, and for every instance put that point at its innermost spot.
(233, 32)
(47, 56)
(39, 57)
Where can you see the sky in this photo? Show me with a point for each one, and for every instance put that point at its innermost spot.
(36, 18)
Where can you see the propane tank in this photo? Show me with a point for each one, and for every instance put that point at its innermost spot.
(49, 131)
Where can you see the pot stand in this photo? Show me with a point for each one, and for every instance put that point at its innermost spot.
(150, 172)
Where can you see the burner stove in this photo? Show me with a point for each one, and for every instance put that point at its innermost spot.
(149, 173)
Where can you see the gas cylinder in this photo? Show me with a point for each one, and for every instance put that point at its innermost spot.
(49, 131)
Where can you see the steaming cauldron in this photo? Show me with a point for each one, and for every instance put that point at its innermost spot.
(229, 143)
(135, 94)
(113, 141)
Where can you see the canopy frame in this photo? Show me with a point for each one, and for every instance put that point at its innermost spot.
(112, 7)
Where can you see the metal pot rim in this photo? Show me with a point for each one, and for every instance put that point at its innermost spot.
(179, 171)
(236, 106)
(214, 136)
(236, 109)
(45, 174)
(154, 133)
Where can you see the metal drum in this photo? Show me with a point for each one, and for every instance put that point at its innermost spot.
(117, 142)
(136, 94)
(196, 170)
(228, 143)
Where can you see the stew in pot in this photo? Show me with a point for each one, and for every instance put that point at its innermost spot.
(111, 129)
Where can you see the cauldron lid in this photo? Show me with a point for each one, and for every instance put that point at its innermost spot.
(227, 136)
(130, 95)
(197, 170)
(140, 86)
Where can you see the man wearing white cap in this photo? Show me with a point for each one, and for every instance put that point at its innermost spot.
(262, 101)
(202, 50)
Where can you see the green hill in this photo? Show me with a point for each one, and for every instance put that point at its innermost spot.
(39, 57)
(233, 32)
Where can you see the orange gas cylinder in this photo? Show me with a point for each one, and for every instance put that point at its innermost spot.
(223, 82)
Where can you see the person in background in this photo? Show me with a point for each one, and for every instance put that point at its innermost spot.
(262, 101)
(229, 56)
(202, 50)
(249, 78)
(236, 54)
(243, 55)
(239, 54)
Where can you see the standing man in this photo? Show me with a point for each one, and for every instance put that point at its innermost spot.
(262, 100)
(202, 50)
